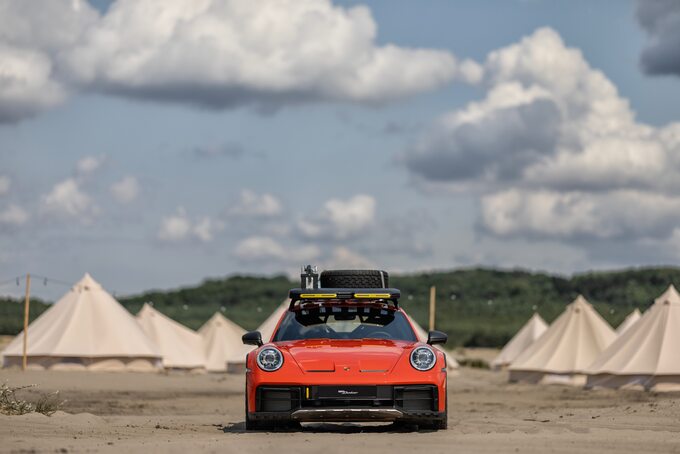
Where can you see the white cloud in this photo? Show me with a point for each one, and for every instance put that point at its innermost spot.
(13, 216)
(32, 35)
(89, 164)
(126, 190)
(554, 151)
(179, 227)
(251, 204)
(5, 184)
(616, 214)
(208, 53)
(205, 229)
(340, 219)
(27, 86)
(218, 54)
(67, 200)
(264, 249)
(175, 227)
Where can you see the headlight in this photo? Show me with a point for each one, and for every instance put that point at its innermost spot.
(269, 359)
(423, 358)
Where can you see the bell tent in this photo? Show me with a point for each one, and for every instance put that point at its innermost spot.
(269, 325)
(222, 342)
(180, 347)
(645, 355)
(629, 321)
(566, 348)
(85, 329)
(527, 335)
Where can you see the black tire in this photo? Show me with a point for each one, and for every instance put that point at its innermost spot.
(354, 279)
(440, 423)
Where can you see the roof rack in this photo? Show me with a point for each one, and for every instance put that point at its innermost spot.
(362, 294)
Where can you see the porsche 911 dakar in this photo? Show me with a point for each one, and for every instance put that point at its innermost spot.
(345, 351)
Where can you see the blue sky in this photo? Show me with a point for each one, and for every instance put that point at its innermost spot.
(530, 134)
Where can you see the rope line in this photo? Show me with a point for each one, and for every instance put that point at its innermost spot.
(45, 280)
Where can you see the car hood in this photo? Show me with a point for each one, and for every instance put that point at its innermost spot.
(327, 355)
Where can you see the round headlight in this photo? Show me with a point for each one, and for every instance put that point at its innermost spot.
(423, 358)
(269, 359)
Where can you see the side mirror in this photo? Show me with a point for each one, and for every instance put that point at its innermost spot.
(436, 337)
(252, 338)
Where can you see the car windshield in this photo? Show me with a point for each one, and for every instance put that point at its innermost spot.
(345, 323)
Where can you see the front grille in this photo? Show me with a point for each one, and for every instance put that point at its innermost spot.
(277, 399)
(290, 398)
(416, 398)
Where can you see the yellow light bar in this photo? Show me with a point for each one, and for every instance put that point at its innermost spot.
(318, 295)
(372, 295)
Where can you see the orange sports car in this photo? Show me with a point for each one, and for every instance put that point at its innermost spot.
(345, 351)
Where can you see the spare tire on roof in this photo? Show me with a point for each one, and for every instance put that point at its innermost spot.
(354, 279)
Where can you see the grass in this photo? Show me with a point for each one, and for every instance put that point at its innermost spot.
(10, 404)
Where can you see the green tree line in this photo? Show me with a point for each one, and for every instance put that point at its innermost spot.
(476, 307)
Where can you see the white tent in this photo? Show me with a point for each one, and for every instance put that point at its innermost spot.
(85, 329)
(566, 348)
(180, 347)
(451, 362)
(532, 330)
(236, 360)
(222, 343)
(629, 321)
(269, 325)
(647, 354)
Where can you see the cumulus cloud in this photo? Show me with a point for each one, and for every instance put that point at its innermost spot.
(68, 200)
(466, 145)
(126, 190)
(661, 20)
(208, 53)
(554, 151)
(13, 216)
(89, 164)
(607, 215)
(340, 219)
(217, 54)
(205, 229)
(5, 184)
(266, 249)
(179, 227)
(252, 204)
(32, 36)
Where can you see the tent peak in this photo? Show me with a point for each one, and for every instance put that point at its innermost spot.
(579, 302)
(146, 307)
(670, 296)
(87, 282)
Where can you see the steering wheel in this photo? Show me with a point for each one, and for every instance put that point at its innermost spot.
(381, 335)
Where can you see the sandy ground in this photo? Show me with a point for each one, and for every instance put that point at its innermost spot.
(109, 412)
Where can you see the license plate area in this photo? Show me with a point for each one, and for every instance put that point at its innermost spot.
(346, 392)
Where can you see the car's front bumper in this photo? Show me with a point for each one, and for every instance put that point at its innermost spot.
(335, 403)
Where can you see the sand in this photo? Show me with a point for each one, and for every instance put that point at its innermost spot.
(127, 412)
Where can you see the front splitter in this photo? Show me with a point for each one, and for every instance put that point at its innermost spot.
(346, 414)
